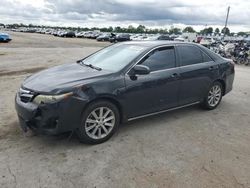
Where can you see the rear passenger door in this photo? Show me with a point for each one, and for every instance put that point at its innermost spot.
(197, 71)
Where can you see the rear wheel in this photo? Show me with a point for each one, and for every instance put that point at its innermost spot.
(100, 121)
(214, 96)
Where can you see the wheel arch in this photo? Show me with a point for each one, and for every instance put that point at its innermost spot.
(223, 85)
(111, 100)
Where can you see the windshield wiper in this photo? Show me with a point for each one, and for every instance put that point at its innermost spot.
(89, 65)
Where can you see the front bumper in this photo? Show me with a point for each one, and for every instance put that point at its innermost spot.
(51, 119)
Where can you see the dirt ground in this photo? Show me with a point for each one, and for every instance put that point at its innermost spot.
(185, 148)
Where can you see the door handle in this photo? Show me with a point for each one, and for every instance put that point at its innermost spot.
(213, 68)
(175, 75)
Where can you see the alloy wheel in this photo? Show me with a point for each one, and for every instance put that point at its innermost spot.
(214, 95)
(100, 123)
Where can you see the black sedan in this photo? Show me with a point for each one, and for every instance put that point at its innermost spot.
(120, 83)
(120, 38)
(69, 34)
(104, 37)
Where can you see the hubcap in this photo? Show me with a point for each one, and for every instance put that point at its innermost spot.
(100, 122)
(214, 95)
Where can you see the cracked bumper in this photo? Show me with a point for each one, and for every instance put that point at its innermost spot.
(52, 118)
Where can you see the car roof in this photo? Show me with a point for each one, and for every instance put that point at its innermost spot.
(155, 43)
(158, 43)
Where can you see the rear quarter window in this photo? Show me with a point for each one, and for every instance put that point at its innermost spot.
(205, 57)
(212, 55)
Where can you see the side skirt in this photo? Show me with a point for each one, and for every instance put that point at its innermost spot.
(170, 109)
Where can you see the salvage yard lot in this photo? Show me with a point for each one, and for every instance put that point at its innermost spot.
(184, 148)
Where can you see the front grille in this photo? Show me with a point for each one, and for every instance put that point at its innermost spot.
(26, 95)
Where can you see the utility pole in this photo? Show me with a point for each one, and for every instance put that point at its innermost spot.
(228, 10)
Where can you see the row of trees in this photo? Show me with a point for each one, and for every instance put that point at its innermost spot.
(210, 30)
(138, 29)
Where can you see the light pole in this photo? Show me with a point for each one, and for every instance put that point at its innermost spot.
(228, 10)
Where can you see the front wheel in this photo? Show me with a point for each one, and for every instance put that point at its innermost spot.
(100, 121)
(214, 96)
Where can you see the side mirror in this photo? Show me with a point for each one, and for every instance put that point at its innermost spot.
(140, 70)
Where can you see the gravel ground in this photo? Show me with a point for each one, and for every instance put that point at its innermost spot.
(183, 148)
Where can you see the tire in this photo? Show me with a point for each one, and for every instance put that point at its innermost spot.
(94, 129)
(213, 97)
(247, 62)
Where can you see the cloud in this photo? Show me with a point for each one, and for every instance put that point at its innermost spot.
(120, 12)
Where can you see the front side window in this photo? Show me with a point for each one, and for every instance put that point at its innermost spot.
(160, 59)
(190, 55)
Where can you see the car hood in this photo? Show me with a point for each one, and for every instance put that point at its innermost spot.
(62, 78)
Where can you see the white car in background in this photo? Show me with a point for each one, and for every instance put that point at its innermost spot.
(187, 37)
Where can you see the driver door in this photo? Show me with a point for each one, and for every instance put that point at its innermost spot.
(157, 90)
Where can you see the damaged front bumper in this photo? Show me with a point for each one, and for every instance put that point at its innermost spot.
(51, 119)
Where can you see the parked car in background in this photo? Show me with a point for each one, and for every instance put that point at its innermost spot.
(4, 37)
(159, 37)
(69, 34)
(142, 37)
(120, 83)
(120, 38)
(80, 34)
(207, 41)
(104, 37)
(247, 41)
(199, 38)
(187, 37)
(164, 37)
(61, 33)
(94, 35)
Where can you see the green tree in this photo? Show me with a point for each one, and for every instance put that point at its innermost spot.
(241, 33)
(189, 30)
(226, 31)
(110, 29)
(174, 31)
(210, 30)
(140, 29)
(131, 29)
(217, 30)
(207, 31)
(118, 29)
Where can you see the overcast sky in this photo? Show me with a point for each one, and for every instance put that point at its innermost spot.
(152, 13)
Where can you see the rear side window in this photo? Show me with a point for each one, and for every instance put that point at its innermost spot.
(190, 55)
(206, 58)
(160, 59)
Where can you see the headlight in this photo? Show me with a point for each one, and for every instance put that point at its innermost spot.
(50, 98)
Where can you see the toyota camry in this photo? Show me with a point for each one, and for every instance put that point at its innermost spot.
(120, 83)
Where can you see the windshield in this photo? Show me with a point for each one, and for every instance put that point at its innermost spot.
(115, 57)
